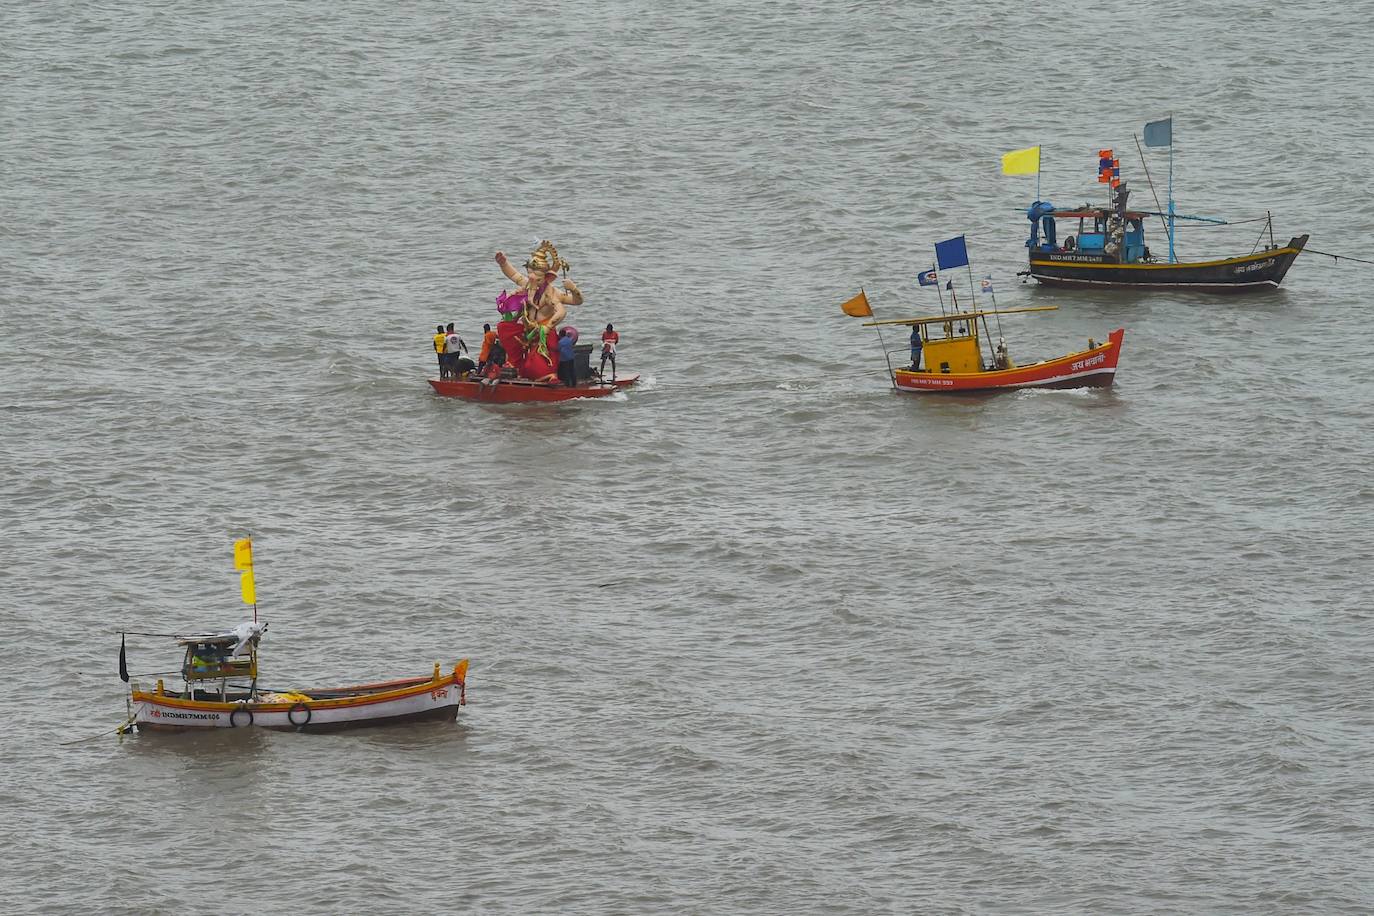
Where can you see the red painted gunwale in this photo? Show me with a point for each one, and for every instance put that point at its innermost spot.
(515, 391)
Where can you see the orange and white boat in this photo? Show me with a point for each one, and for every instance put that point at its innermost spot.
(220, 690)
(219, 687)
(949, 355)
(953, 359)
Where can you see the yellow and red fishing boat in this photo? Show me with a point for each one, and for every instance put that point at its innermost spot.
(953, 358)
(947, 350)
(219, 687)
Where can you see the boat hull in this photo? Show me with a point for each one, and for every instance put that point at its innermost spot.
(518, 391)
(1092, 368)
(1251, 273)
(390, 703)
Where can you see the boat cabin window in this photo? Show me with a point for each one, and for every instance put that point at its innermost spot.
(205, 661)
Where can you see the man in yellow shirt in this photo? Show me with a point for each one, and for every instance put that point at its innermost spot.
(439, 338)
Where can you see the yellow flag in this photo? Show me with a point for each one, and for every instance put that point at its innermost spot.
(250, 592)
(858, 306)
(243, 554)
(1022, 162)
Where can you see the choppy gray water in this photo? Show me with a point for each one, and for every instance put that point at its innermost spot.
(763, 635)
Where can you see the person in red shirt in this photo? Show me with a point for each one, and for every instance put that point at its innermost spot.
(609, 338)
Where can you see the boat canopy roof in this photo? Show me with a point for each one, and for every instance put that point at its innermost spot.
(958, 316)
(238, 637)
(1094, 212)
(1088, 211)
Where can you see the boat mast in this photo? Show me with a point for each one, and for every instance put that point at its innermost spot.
(1173, 259)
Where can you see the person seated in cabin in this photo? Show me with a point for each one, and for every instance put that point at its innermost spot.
(208, 658)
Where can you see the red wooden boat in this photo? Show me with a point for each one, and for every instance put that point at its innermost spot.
(514, 391)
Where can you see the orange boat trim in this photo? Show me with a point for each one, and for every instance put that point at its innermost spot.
(451, 679)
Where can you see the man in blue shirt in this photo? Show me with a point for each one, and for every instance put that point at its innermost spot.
(915, 347)
(567, 370)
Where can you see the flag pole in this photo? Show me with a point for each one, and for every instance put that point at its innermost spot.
(938, 289)
(1172, 258)
(891, 376)
(1039, 155)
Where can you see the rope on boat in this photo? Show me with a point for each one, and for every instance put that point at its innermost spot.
(1338, 257)
(122, 729)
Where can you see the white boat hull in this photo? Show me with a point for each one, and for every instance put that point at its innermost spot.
(405, 701)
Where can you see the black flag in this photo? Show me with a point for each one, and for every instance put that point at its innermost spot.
(123, 665)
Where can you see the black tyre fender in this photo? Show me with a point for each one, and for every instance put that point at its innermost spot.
(233, 716)
(291, 715)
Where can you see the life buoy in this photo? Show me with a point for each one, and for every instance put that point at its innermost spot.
(291, 715)
(233, 722)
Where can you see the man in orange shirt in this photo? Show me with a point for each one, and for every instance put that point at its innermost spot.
(488, 338)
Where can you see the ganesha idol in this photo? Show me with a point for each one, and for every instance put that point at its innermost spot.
(530, 316)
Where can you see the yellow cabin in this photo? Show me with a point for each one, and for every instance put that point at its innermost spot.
(958, 351)
(951, 344)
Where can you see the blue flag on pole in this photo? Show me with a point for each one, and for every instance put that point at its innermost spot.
(951, 253)
(928, 278)
(985, 285)
(1160, 133)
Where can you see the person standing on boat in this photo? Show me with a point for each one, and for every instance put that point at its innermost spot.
(484, 354)
(440, 339)
(567, 370)
(454, 346)
(609, 339)
(915, 347)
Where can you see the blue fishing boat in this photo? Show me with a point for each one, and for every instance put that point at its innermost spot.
(1108, 247)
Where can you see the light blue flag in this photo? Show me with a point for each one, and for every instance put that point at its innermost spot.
(1160, 133)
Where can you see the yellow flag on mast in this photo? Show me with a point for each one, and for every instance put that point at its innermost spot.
(243, 560)
(1022, 162)
(858, 307)
(246, 584)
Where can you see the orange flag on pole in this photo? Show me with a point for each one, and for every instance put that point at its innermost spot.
(858, 307)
